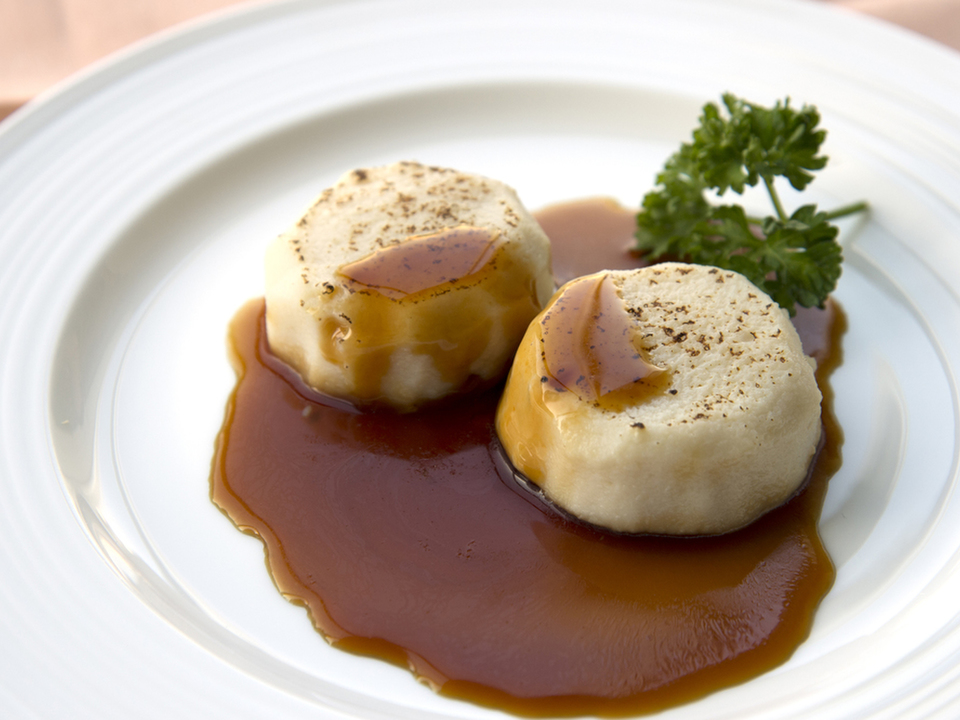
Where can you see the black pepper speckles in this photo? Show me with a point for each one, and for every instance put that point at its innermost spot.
(743, 345)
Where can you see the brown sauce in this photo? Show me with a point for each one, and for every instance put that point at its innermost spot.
(407, 538)
(590, 346)
(424, 262)
(588, 236)
(421, 278)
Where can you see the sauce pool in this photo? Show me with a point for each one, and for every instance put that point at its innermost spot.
(407, 538)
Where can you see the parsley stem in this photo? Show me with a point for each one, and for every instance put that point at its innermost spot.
(775, 199)
(840, 212)
(845, 210)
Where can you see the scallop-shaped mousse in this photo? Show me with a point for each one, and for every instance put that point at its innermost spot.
(406, 283)
(675, 399)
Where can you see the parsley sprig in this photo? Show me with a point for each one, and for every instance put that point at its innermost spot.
(794, 258)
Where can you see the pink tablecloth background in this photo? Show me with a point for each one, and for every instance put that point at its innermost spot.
(43, 41)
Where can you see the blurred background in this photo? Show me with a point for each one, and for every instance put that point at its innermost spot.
(44, 41)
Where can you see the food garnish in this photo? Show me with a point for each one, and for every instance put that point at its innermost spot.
(795, 258)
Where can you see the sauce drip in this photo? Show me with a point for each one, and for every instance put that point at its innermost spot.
(589, 345)
(405, 299)
(407, 538)
(424, 262)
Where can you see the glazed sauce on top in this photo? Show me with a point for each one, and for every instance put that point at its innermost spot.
(589, 345)
(421, 276)
(407, 538)
(424, 262)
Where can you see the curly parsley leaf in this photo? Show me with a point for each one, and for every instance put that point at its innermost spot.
(795, 259)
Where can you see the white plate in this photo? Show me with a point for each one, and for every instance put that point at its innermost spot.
(135, 204)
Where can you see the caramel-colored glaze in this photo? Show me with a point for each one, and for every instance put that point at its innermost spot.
(454, 329)
(407, 538)
(423, 262)
(590, 345)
